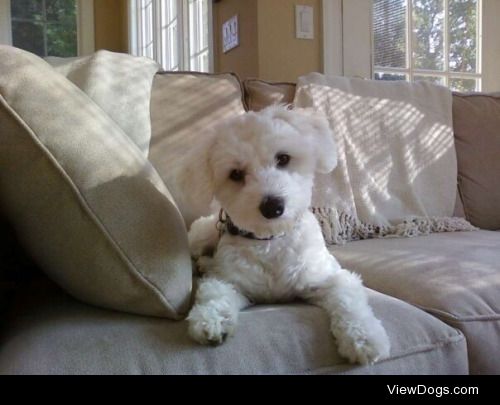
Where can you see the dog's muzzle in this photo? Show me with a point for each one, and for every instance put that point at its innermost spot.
(272, 207)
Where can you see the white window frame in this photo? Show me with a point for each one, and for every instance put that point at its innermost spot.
(183, 44)
(85, 27)
(333, 58)
(410, 71)
(84, 24)
(348, 41)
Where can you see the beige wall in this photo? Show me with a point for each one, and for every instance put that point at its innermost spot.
(244, 59)
(283, 57)
(124, 26)
(268, 47)
(111, 20)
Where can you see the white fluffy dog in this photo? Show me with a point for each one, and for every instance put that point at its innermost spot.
(268, 246)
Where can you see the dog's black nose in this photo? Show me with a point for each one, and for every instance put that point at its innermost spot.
(272, 207)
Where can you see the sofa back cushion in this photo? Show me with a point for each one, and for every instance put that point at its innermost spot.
(259, 94)
(84, 202)
(476, 123)
(183, 107)
(476, 119)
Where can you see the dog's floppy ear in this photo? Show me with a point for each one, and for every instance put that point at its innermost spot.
(195, 176)
(326, 149)
(315, 126)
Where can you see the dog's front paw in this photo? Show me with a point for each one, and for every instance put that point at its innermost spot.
(364, 344)
(211, 324)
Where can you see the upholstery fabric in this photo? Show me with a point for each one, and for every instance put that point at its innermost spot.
(50, 333)
(118, 83)
(6, 259)
(85, 203)
(15, 264)
(260, 94)
(476, 123)
(183, 107)
(454, 276)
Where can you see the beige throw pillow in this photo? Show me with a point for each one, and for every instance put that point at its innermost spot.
(118, 83)
(86, 204)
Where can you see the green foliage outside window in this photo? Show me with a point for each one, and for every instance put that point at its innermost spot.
(45, 27)
(428, 51)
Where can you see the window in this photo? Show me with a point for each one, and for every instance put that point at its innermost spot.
(48, 27)
(45, 27)
(434, 40)
(175, 33)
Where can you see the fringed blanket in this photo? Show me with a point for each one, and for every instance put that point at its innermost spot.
(397, 169)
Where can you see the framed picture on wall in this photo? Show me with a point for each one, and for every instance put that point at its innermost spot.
(230, 35)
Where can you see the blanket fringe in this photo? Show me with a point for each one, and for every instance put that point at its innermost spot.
(340, 227)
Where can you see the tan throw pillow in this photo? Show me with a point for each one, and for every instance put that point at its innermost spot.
(183, 107)
(118, 83)
(260, 94)
(85, 203)
(476, 123)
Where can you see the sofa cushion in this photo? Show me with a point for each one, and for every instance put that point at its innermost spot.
(118, 83)
(15, 265)
(183, 107)
(476, 123)
(454, 276)
(260, 94)
(85, 203)
(5, 253)
(52, 334)
(8, 259)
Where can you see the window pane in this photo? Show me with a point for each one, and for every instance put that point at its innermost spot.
(169, 32)
(176, 37)
(428, 38)
(464, 85)
(432, 79)
(198, 35)
(28, 9)
(62, 40)
(390, 76)
(32, 32)
(389, 30)
(146, 15)
(61, 35)
(63, 11)
(463, 34)
(28, 36)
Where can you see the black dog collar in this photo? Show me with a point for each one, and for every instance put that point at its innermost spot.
(226, 225)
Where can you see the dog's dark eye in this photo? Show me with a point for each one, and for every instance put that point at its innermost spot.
(282, 159)
(237, 175)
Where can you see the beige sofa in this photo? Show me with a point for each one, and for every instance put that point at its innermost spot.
(438, 296)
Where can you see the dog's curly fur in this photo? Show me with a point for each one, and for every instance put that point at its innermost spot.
(296, 262)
